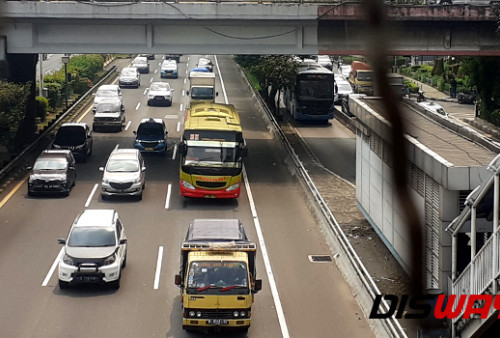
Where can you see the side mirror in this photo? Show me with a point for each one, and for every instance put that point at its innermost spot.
(135, 132)
(178, 280)
(61, 241)
(143, 169)
(93, 94)
(123, 241)
(71, 168)
(187, 92)
(29, 168)
(258, 285)
(244, 151)
(216, 93)
(182, 149)
(101, 169)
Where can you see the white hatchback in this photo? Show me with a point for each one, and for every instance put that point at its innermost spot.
(95, 250)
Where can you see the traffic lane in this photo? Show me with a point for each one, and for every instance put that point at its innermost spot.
(334, 146)
(315, 297)
(142, 258)
(72, 207)
(28, 244)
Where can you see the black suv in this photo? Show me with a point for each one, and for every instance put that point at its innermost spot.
(53, 172)
(74, 136)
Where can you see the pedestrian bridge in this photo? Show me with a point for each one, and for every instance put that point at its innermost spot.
(242, 27)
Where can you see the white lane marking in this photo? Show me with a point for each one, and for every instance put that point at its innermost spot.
(158, 268)
(52, 268)
(267, 261)
(117, 146)
(260, 235)
(183, 91)
(159, 63)
(181, 109)
(171, 117)
(150, 80)
(138, 105)
(156, 71)
(185, 80)
(91, 195)
(128, 125)
(145, 91)
(174, 152)
(178, 126)
(169, 192)
(221, 81)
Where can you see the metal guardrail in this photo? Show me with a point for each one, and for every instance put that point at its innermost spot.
(391, 324)
(14, 162)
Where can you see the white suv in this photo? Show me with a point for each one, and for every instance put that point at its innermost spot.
(95, 251)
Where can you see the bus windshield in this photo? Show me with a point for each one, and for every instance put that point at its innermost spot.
(315, 89)
(210, 154)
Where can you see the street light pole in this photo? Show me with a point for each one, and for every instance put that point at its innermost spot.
(40, 81)
(65, 61)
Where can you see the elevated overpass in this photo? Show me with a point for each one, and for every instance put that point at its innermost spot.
(240, 27)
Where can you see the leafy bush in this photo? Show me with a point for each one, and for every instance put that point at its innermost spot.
(53, 93)
(494, 117)
(412, 86)
(85, 65)
(42, 105)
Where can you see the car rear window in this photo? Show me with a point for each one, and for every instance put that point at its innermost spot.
(150, 129)
(70, 135)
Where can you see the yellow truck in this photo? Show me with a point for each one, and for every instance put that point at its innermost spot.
(361, 78)
(217, 277)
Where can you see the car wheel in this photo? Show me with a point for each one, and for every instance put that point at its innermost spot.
(104, 197)
(169, 103)
(124, 264)
(116, 284)
(139, 197)
(460, 100)
(63, 285)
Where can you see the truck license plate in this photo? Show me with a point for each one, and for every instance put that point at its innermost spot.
(218, 321)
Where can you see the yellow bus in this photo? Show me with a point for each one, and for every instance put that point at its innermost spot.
(211, 151)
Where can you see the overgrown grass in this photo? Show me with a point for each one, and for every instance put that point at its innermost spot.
(253, 81)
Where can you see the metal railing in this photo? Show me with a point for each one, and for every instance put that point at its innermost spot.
(481, 273)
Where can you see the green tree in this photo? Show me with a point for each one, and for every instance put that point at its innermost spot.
(13, 103)
(274, 73)
(485, 75)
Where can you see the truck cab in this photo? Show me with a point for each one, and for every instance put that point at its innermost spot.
(201, 87)
(361, 78)
(217, 275)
